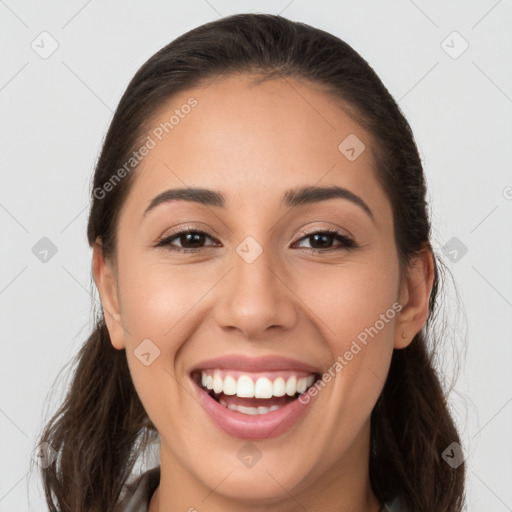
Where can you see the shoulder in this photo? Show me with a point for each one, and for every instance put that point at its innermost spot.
(137, 493)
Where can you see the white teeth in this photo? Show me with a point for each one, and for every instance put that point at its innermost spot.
(218, 385)
(253, 411)
(291, 386)
(263, 388)
(245, 387)
(301, 385)
(229, 385)
(279, 387)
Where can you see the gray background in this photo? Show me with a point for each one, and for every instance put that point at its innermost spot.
(55, 113)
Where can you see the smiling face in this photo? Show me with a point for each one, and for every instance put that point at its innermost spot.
(256, 282)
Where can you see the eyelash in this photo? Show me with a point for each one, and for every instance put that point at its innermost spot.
(347, 243)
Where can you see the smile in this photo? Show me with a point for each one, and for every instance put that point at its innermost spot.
(253, 404)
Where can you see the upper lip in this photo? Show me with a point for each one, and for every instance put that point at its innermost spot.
(242, 362)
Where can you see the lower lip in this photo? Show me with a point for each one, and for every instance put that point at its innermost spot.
(246, 426)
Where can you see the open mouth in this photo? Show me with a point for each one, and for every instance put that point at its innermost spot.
(254, 393)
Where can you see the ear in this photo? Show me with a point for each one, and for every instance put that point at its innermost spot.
(106, 281)
(414, 298)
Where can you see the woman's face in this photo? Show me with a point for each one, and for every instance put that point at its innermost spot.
(259, 297)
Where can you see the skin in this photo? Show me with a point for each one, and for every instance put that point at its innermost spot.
(253, 142)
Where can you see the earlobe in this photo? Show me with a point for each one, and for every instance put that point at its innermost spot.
(106, 282)
(415, 296)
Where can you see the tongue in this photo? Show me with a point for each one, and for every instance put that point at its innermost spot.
(255, 402)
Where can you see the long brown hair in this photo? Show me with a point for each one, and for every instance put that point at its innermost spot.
(101, 428)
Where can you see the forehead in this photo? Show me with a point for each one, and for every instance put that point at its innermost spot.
(253, 141)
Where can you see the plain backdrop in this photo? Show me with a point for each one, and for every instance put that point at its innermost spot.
(64, 66)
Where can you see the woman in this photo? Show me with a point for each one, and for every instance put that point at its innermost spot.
(261, 247)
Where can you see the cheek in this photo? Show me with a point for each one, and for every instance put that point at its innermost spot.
(156, 302)
(157, 298)
(353, 300)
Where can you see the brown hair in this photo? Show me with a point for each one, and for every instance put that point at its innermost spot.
(101, 428)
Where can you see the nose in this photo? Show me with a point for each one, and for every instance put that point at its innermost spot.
(255, 297)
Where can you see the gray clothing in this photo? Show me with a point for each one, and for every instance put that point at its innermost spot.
(138, 494)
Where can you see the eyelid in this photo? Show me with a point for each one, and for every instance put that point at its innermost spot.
(347, 241)
(185, 229)
(181, 230)
(316, 229)
(307, 231)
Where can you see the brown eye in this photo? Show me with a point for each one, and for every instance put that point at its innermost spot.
(191, 240)
(321, 241)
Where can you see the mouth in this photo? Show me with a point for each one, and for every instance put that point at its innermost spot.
(253, 404)
(253, 393)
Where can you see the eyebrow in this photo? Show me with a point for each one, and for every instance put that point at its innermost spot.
(291, 198)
